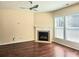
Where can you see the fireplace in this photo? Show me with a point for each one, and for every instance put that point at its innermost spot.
(43, 35)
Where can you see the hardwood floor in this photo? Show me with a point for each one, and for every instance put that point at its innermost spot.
(33, 49)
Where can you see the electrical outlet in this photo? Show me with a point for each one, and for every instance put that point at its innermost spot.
(13, 38)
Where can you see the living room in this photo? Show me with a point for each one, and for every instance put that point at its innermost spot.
(39, 28)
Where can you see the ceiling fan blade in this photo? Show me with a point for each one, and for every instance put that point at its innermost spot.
(35, 6)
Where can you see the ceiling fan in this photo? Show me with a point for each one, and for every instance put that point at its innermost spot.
(33, 7)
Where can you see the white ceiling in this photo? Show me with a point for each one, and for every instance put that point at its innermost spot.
(44, 6)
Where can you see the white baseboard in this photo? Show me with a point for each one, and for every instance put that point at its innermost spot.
(6, 43)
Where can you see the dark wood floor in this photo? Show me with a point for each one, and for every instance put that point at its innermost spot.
(33, 49)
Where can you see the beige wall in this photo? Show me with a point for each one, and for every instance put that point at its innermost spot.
(16, 23)
(43, 19)
(64, 12)
(19, 24)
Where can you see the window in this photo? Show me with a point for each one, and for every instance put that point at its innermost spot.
(72, 28)
(59, 26)
(67, 27)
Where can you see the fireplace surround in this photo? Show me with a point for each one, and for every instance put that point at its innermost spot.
(43, 34)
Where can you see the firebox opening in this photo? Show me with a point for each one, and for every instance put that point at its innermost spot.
(43, 36)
